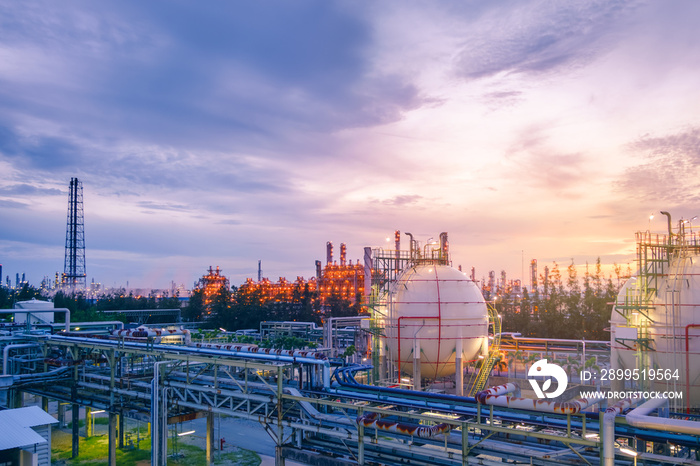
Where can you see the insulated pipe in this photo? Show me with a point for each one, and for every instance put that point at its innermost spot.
(411, 245)
(117, 323)
(444, 247)
(6, 353)
(156, 455)
(368, 271)
(372, 420)
(670, 231)
(498, 390)
(544, 406)
(145, 332)
(29, 311)
(687, 365)
(258, 350)
(608, 433)
(583, 342)
(324, 363)
(640, 417)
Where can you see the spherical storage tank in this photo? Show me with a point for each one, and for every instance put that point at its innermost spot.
(432, 309)
(659, 331)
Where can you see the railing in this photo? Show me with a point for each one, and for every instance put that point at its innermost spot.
(479, 381)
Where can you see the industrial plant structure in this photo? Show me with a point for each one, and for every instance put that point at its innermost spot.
(74, 274)
(655, 324)
(408, 401)
(211, 284)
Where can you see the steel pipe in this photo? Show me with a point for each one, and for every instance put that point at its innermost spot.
(640, 417)
(6, 353)
(324, 364)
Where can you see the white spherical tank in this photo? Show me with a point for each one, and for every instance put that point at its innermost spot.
(662, 334)
(434, 310)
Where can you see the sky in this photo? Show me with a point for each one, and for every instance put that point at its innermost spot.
(227, 132)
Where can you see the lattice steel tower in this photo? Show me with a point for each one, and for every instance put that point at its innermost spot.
(74, 264)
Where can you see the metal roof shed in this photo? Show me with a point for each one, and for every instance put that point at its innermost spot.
(25, 434)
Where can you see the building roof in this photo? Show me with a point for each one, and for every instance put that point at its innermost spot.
(16, 426)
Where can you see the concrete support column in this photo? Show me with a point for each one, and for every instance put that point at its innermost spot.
(15, 398)
(459, 369)
(279, 459)
(120, 423)
(416, 365)
(210, 438)
(112, 436)
(75, 419)
(360, 440)
(382, 366)
(88, 422)
(61, 414)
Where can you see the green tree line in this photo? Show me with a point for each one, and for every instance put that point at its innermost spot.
(84, 309)
(241, 308)
(564, 307)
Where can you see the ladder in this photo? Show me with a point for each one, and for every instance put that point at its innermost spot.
(479, 380)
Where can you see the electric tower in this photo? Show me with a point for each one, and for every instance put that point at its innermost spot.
(74, 263)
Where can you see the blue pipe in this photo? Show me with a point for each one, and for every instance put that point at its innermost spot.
(344, 376)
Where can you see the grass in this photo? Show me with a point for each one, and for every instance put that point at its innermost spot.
(98, 420)
(94, 451)
(192, 455)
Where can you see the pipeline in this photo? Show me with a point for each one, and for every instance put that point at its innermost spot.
(417, 430)
(257, 349)
(498, 390)
(324, 364)
(545, 406)
(608, 433)
(344, 377)
(156, 333)
(639, 417)
(6, 353)
(36, 311)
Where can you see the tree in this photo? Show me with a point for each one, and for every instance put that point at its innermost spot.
(590, 364)
(533, 357)
(220, 308)
(501, 364)
(513, 358)
(195, 307)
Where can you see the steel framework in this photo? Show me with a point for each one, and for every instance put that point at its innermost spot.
(74, 275)
(348, 424)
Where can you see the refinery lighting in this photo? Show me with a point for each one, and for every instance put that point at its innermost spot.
(98, 411)
(628, 452)
(182, 434)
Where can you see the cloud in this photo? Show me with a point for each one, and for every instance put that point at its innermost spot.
(406, 199)
(38, 151)
(535, 162)
(669, 173)
(28, 190)
(10, 204)
(538, 36)
(222, 76)
(166, 207)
